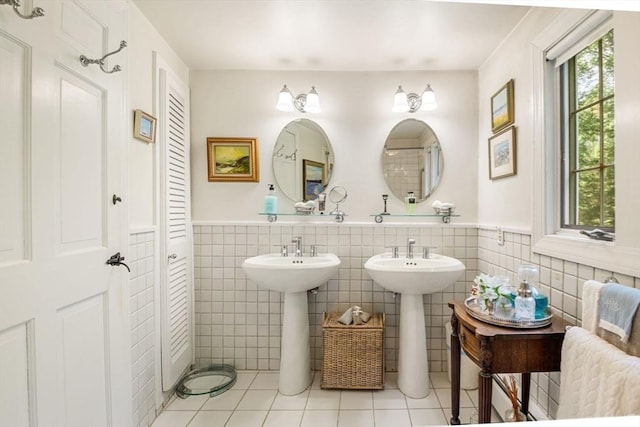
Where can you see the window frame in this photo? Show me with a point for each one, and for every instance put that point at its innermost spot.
(548, 238)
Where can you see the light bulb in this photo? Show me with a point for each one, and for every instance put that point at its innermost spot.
(312, 105)
(400, 103)
(428, 100)
(285, 100)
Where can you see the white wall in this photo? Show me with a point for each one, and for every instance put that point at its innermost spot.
(356, 116)
(143, 41)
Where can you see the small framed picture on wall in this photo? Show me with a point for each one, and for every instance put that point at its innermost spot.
(144, 126)
(502, 154)
(502, 108)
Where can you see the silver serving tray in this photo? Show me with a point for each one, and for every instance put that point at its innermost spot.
(471, 305)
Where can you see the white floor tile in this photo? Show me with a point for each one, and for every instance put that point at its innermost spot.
(254, 400)
(283, 419)
(282, 402)
(429, 402)
(265, 381)
(244, 380)
(317, 380)
(389, 399)
(326, 418)
(191, 403)
(352, 399)
(355, 418)
(392, 418)
(174, 419)
(444, 396)
(226, 401)
(210, 419)
(427, 417)
(247, 419)
(323, 399)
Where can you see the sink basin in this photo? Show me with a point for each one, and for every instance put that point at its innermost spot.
(415, 276)
(412, 278)
(291, 274)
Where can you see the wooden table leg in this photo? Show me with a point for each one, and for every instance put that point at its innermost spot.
(485, 385)
(455, 372)
(526, 387)
(485, 388)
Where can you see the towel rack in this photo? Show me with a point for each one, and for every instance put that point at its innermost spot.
(610, 279)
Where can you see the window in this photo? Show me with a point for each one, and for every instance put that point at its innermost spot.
(587, 130)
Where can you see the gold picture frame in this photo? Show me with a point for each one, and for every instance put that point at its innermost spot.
(313, 178)
(144, 126)
(233, 159)
(502, 107)
(502, 154)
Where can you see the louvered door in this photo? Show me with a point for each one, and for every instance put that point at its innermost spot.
(177, 336)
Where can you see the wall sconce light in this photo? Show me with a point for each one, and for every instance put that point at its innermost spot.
(305, 102)
(413, 102)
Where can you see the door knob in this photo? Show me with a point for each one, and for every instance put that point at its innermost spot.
(173, 256)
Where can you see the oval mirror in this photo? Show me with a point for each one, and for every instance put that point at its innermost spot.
(412, 160)
(302, 160)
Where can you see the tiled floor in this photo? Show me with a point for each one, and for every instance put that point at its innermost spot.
(254, 401)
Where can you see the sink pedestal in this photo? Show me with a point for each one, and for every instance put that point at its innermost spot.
(295, 356)
(413, 370)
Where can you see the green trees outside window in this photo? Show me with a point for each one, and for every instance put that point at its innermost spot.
(588, 153)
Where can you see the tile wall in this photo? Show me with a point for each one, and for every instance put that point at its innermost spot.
(239, 323)
(405, 173)
(143, 350)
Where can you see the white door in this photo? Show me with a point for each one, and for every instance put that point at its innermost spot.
(177, 301)
(63, 323)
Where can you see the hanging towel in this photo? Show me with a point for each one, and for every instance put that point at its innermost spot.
(596, 378)
(618, 306)
(590, 304)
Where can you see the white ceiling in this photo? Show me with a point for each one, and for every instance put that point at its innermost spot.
(337, 35)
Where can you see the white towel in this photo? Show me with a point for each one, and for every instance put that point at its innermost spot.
(596, 379)
(590, 305)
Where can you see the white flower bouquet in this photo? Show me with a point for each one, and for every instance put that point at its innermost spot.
(493, 293)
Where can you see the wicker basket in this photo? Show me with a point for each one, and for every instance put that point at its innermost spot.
(353, 355)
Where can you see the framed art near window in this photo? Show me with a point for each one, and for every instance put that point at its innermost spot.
(502, 108)
(144, 126)
(502, 154)
(233, 159)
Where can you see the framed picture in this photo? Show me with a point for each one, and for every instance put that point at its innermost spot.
(502, 108)
(313, 176)
(502, 154)
(233, 159)
(144, 126)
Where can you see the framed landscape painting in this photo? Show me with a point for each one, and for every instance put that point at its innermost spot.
(232, 159)
(502, 108)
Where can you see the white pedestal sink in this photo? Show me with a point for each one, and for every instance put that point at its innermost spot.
(412, 278)
(293, 275)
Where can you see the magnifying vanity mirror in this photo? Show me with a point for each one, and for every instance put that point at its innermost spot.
(303, 160)
(412, 160)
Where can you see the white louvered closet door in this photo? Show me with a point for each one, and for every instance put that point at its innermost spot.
(177, 302)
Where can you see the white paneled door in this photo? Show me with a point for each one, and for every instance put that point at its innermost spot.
(63, 323)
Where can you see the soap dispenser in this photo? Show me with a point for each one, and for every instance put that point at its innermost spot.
(411, 202)
(271, 201)
(525, 304)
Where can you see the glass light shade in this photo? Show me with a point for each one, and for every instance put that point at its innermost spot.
(428, 100)
(400, 103)
(312, 105)
(285, 100)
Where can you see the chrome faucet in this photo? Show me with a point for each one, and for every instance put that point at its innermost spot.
(410, 243)
(298, 242)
